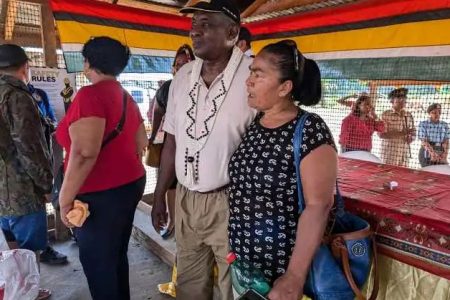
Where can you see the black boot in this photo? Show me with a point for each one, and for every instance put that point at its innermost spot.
(52, 257)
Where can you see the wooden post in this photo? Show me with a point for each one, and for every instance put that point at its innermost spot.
(48, 35)
(10, 20)
(373, 91)
(49, 46)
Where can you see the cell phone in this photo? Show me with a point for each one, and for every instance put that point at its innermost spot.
(251, 295)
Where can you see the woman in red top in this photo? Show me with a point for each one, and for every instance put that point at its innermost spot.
(358, 127)
(109, 178)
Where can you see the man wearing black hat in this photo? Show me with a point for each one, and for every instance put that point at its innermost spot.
(207, 115)
(25, 162)
(399, 130)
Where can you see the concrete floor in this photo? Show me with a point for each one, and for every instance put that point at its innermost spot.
(68, 282)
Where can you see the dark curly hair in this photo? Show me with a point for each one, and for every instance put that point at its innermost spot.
(106, 55)
(303, 72)
(398, 93)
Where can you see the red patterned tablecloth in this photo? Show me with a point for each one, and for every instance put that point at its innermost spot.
(412, 222)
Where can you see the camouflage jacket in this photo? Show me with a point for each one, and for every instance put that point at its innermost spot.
(25, 162)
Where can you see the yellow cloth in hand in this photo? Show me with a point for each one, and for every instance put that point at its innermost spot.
(78, 214)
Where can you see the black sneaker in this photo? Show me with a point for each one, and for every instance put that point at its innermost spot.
(52, 257)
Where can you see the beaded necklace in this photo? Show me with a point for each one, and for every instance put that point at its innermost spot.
(219, 89)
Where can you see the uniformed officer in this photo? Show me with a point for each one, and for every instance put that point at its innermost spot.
(25, 162)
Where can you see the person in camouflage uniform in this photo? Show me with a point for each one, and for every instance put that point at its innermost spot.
(24, 159)
(25, 162)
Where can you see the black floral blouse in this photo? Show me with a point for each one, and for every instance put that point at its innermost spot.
(263, 192)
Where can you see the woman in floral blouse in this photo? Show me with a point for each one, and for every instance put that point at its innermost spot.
(265, 226)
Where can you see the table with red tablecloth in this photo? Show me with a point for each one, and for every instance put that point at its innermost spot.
(412, 221)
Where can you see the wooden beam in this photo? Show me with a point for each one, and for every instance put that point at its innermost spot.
(36, 1)
(273, 6)
(149, 6)
(10, 20)
(400, 83)
(252, 8)
(24, 38)
(48, 36)
(4, 9)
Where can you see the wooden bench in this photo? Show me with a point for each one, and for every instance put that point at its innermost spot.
(144, 232)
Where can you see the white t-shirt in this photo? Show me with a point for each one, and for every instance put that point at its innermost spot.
(232, 120)
(249, 53)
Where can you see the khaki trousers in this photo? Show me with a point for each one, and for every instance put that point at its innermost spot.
(201, 230)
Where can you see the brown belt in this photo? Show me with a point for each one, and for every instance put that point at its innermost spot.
(219, 189)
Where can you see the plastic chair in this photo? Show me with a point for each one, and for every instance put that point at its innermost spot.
(361, 155)
(441, 169)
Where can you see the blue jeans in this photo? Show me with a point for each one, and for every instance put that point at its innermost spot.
(29, 231)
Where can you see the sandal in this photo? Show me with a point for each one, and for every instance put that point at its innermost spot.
(167, 232)
(44, 294)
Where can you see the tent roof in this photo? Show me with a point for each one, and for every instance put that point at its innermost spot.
(251, 10)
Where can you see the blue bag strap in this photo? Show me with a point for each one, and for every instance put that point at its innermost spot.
(298, 141)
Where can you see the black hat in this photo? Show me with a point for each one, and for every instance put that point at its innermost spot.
(226, 7)
(398, 93)
(433, 107)
(12, 55)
